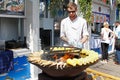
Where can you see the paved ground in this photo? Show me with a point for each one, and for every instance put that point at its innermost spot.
(109, 68)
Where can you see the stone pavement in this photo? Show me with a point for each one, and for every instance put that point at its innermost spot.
(110, 68)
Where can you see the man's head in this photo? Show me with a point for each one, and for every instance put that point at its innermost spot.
(72, 8)
(117, 23)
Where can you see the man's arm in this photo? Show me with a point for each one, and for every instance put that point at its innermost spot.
(84, 39)
(64, 39)
(85, 33)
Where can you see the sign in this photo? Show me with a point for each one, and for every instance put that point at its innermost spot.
(100, 17)
(12, 7)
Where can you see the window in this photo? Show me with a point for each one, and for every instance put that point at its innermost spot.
(12, 7)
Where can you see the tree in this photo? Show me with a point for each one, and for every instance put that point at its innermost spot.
(86, 9)
(86, 12)
(118, 1)
(54, 6)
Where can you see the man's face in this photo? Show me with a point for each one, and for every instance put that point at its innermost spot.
(72, 12)
(116, 24)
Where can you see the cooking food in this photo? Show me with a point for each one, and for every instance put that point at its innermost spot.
(63, 56)
(63, 61)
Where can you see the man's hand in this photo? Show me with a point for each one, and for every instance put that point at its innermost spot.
(78, 45)
(71, 43)
(75, 44)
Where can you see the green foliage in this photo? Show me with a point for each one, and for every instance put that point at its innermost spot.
(86, 9)
(54, 6)
(118, 1)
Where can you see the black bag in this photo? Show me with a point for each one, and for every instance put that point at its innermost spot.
(109, 35)
(117, 44)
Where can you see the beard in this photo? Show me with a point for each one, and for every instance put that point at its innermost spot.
(72, 16)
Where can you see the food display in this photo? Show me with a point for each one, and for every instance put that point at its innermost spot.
(54, 60)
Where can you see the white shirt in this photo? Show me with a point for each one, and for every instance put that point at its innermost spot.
(105, 38)
(73, 30)
(117, 32)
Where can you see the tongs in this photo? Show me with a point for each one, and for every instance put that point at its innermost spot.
(73, 50)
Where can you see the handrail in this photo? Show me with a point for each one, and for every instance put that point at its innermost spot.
(101, 75)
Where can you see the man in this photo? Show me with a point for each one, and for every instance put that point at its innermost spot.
(117, 41)
(73, 28)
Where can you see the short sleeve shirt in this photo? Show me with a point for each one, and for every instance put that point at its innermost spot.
(73, 30)
(117, 32)
(105, 38)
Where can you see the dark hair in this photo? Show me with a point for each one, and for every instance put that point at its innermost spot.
(117, 22)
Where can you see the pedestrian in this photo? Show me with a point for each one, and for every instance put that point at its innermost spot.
(106, 36)
(73, 28)
(117, 42)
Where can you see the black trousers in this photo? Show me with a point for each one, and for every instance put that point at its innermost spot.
(104, 50)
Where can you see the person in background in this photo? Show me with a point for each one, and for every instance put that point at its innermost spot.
(73, 29)
(106, 36)
(117, 42)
